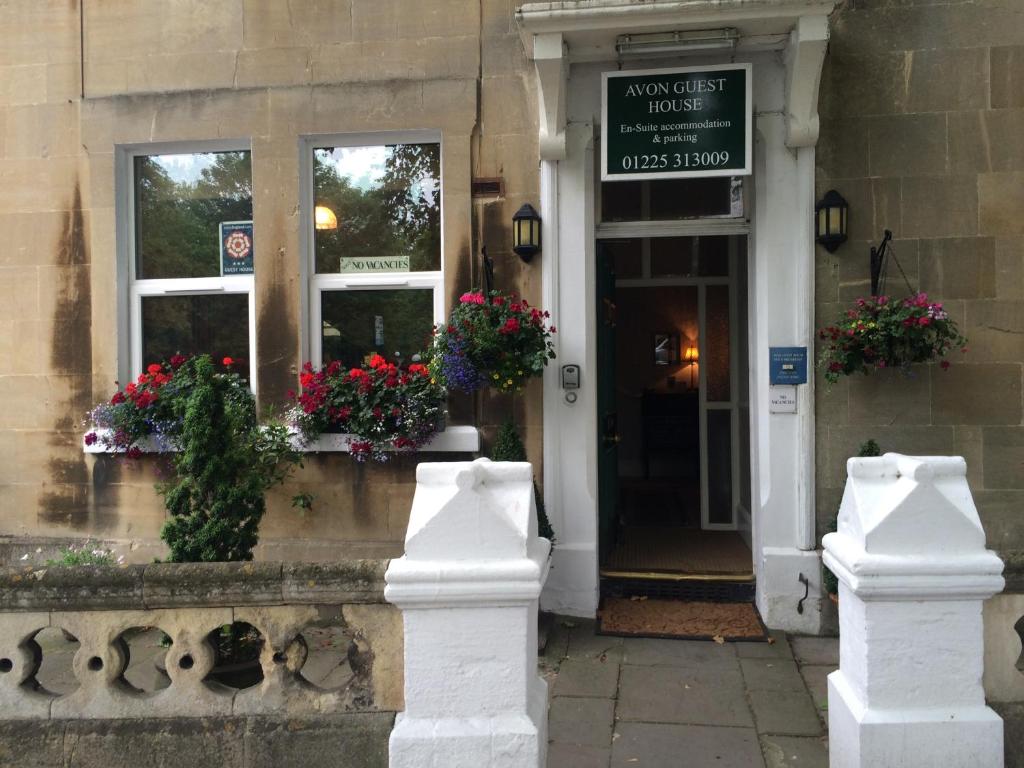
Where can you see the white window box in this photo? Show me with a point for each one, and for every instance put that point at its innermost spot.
(462, 439)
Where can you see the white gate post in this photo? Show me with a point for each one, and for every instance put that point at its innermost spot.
(468, 588)
(913, 573)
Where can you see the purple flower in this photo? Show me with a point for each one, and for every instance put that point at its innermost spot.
(458, 371)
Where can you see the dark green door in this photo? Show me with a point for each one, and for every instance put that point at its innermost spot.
(607, 417)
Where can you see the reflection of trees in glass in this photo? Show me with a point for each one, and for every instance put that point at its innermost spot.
(192, 325)
(348, 317)
(177, 221)
(399, 214)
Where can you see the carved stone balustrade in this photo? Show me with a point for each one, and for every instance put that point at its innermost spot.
(288, 614)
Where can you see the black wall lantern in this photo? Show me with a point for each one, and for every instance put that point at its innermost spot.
(830, 220)
(526, 232)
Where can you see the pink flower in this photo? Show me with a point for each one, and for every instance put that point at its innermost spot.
(924, 321)
(472, 298)
(91, 438)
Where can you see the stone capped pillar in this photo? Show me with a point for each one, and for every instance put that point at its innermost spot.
(913, 573)
(468, 587)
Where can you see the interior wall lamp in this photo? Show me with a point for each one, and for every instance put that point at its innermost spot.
(526, 232)
(324, 218)
(691, 356)
(831, 215)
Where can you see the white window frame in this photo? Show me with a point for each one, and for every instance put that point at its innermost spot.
(135, 289)
(315, 284)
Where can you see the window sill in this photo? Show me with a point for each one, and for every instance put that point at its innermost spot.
(461, 439)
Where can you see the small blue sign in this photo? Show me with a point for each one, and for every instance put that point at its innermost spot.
(787, 365)
(236, 248)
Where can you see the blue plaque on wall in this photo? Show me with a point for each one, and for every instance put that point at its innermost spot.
(236, 248)
(787, 365)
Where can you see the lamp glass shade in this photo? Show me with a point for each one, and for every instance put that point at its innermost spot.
(691, 355)
(526, 232)
(830, 223)
(324, 218)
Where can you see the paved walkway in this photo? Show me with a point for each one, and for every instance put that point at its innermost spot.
(626, 703)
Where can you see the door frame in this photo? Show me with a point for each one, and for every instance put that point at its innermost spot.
(736, 227)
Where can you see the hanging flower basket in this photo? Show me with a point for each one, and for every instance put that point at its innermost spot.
(879, 333)
(493, 340)
(385, 408)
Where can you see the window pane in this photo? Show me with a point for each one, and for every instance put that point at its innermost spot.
(180, 201)
(720, 466)
(627, 257)
(671, 199)
(703, 256)
(191, 325)
(390, 323)
(716, 347)
(380, 208)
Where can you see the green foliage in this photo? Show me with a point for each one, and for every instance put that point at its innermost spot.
(225, 464)
(383, 407)
(869, 448)
(508, 446)
(879, 333)
(495, 340)
(83, 554)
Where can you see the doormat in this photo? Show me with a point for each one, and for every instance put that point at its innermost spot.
(721, 622)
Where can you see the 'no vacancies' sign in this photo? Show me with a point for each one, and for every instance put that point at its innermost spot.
(676, 123)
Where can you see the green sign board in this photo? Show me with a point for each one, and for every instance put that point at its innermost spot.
(676, 123)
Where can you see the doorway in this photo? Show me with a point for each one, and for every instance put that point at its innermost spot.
(673, 405)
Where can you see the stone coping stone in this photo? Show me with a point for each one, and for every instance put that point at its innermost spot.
(1013, 571)
(174, 585)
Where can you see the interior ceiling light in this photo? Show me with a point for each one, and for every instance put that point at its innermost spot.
(677, 43)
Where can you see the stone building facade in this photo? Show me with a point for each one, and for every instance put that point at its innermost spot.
(920, 107)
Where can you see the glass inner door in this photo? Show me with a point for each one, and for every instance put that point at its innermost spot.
(680, 379)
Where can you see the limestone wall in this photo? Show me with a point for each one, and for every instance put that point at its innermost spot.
(269, 72)
(922, 108)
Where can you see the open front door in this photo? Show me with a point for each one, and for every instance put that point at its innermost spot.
(607, 416)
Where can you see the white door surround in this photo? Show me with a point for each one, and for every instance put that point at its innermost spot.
(571, 44)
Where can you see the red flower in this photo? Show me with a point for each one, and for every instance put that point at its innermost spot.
(378, 362)
(117, 399)
(377, 412)
(943, 365)
(134, 452)
(92, 437)
(177, 361)
(228, 362)
(155, 368)
(511, 326)
(924, 321)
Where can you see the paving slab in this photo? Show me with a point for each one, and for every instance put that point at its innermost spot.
(584, 643)
(771, 675)
(679, 653)
(589, 678)
(558, 639)
(778, 648)
(816, 679)
(575, 756)
(785, 713)
(657, 745)
(682, 695)
(816, 650)
(581, 721)
(794, 752)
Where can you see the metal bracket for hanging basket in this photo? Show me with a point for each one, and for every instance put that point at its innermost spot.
(878, 258)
